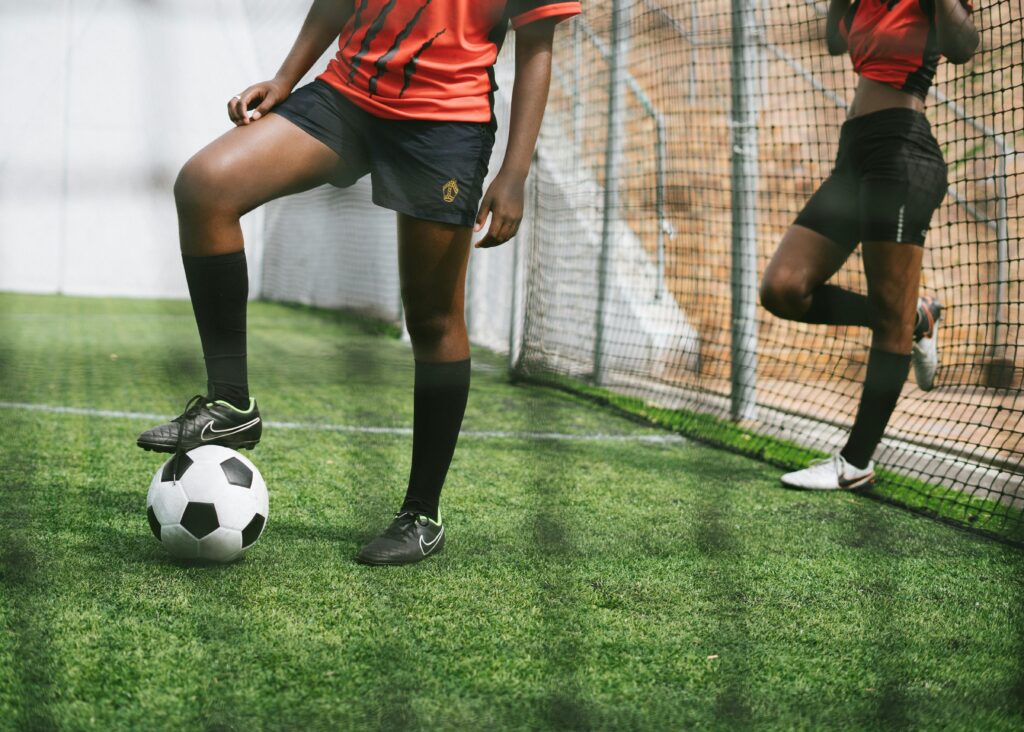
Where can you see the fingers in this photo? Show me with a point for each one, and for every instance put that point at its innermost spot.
(238, 107)
(234, 109)
(485, 208)
(501, 230)
(265, 106)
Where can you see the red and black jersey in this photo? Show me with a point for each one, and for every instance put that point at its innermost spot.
(429, 59)
(894, 42)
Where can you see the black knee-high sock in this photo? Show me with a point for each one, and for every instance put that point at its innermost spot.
(886, 375)
(219, 287)
(831, 305)
(439, 402)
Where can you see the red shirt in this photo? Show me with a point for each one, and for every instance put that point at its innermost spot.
(894, 42)
(429, 59)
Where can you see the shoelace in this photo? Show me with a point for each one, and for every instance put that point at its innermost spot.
(194, 405)
(403, 521)
(830, 461)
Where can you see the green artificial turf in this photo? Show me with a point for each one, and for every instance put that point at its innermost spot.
(994, 518)
(586, 584)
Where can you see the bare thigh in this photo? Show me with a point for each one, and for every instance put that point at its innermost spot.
(893, 272)
(432, 262)
(241, 170)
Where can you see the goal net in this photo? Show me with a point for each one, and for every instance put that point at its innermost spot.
(680, 141)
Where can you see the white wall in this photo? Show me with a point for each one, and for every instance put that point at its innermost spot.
(105, 100)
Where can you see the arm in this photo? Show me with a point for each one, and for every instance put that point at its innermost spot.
(323, 23)
(836, 10)
(957, 36)
(504, 197)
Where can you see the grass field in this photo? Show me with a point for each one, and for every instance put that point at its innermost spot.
(620, 579)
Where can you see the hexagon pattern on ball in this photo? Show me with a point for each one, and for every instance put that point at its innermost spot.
(200, 519)
(154, 523)
(252, 532)
(236, 473)
(213, 507)
(175, 469)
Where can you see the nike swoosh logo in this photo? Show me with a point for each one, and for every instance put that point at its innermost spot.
(428, 546)
(855, 482)
(216, 434)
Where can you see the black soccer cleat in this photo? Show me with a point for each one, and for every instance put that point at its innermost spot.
(410, 538)
(206, 423)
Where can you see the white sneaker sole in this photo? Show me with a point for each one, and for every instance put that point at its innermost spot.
(849, 486)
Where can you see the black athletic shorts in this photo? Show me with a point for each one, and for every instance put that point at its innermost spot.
(888, 180)
(426, 169)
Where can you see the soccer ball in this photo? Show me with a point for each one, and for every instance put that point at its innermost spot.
(214, 507)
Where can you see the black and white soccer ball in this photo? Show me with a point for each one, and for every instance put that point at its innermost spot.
(213, 507)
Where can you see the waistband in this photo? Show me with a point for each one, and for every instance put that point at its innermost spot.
(894, 116)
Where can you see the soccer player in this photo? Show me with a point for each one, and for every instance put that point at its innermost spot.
(408, 99)
(889, 178)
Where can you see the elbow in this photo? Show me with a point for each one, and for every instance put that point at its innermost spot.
(959, 56)
(836, 48)
(835, 43)
(963, 50)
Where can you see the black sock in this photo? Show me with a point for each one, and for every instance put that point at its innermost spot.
(439, 403)
(219, 287)
(831, 305)
(886, 375)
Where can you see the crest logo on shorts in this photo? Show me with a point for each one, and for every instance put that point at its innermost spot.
(450, 190)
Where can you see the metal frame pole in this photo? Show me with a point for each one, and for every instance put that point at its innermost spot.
(513, 318)
(693, 52)
(65, 181)
(665, 228)
(622, 10)
(1000, 367)
(746, 90)
(515, 328)
(577, 102)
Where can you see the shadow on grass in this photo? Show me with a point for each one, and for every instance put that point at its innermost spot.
(24, 585)
(364, 323)
(869, 533)
(1016, 691)
(721, 549)
(22, 577)
(564, 708)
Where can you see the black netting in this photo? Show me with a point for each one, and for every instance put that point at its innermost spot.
(642, 287)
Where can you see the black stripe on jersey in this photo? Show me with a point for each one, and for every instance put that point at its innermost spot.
(356, 23)
(919, 80)
(851, 12)
(497, 37)
(368, 39)
(382, 61)
(410, 68)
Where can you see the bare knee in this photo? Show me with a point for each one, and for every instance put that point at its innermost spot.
(784, 297)
(202, 187)
(429, 329)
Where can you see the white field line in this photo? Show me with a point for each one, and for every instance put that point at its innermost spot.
(658, 439)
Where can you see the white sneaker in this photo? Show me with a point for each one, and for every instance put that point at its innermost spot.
(925, 355)
(830, 474)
